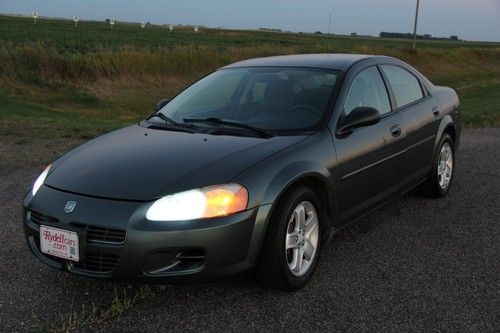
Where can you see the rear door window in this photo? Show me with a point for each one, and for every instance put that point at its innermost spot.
(405, 86)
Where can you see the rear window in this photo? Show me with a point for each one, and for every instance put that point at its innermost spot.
(405, 86)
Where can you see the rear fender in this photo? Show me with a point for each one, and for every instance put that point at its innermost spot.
(446, 122)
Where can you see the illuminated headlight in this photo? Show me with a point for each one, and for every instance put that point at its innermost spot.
(200, 203)
(39, 181)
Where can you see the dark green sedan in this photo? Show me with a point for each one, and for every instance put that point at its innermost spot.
(251, 169)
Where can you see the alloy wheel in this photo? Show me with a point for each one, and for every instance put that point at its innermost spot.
(445, 165)
(302, 238)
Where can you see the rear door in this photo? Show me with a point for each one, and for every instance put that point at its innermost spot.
(370, 159)
(419, 116)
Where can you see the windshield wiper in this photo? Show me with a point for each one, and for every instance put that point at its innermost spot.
(169, 121)
(221, 122)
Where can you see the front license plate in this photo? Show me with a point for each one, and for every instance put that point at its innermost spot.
(59, 243)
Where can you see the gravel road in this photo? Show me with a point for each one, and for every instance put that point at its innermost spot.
(416, 264)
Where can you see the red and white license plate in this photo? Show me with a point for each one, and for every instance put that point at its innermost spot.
(60, 243)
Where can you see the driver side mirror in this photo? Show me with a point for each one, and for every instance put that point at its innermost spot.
(360, 116)
(161, 104)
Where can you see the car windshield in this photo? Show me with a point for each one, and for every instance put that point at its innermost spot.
(269, 98)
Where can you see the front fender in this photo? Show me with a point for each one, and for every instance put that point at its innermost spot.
(293, 174)
(268, 180)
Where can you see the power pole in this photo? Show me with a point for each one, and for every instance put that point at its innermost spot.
(329, 22)
(333, 21)
(415, 26)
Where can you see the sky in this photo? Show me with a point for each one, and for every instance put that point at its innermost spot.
(468, 19)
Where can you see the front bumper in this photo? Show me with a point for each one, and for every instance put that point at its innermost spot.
(118, 242)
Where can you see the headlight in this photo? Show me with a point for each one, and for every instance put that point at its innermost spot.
(200, 203)
(39, 181)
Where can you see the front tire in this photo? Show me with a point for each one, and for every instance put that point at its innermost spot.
(443, 170)
(293, 241)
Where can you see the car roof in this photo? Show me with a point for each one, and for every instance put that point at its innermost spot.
(339, 61)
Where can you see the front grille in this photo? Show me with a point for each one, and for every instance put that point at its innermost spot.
(36, 238)
(39, 218)
(97, 262)
(94, 261)
(102, 234)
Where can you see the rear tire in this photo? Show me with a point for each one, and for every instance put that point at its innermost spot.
(293, 241)
(443, 170)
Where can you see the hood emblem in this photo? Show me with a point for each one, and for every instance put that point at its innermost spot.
(70, 206)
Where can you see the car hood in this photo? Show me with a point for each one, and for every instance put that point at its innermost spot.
(141, 164)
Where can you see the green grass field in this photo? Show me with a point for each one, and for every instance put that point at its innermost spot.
(58, 80)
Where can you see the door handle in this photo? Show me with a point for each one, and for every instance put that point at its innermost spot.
(395, 130)
(435, 111)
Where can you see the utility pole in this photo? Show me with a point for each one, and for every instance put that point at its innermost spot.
(333, 21)
(329, 22)
(415, 26)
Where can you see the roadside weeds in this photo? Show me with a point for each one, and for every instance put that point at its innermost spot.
(84, 317)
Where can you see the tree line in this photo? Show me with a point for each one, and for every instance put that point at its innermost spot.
(408, 35)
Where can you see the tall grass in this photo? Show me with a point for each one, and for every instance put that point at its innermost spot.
(57, 51)
(36, 63)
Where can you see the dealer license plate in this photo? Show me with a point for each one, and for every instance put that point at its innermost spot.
(59, 243)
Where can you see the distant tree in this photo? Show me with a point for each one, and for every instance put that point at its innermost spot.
(385, 34)
(108, 20)
(270, 29)
(318, 32)
(353, 34)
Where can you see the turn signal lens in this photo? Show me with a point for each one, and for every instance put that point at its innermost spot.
(206, 202)
(225, 200)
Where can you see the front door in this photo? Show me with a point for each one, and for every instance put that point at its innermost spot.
(370, 159)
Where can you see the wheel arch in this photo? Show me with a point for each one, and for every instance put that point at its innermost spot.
(451, 131)
(302, 172)
(447, 126)
(305, 173)
(318, 183)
